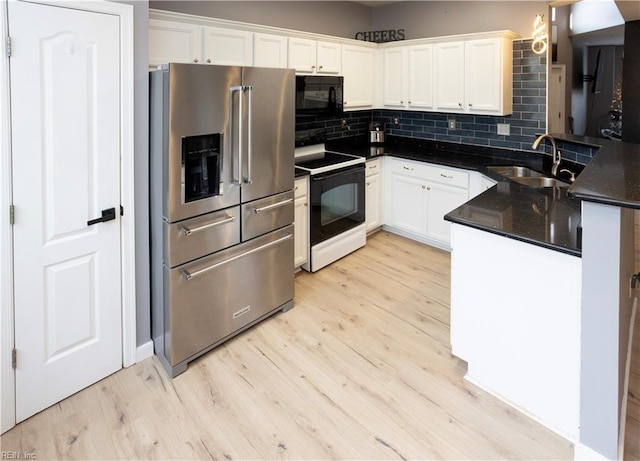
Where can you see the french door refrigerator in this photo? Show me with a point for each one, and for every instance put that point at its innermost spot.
(221, 204)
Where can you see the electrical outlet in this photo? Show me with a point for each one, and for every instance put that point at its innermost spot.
(504, 129)
(396, 121)
(452, 123)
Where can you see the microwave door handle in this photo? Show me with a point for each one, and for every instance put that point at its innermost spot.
(249, 90)
(236, 89)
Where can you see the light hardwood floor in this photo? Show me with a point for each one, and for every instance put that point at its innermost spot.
(361, 368)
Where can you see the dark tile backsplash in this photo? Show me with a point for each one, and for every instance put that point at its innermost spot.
(527, 121)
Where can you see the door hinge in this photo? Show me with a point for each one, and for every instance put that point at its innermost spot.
(14, 358)
(12, 215)
(8, 46)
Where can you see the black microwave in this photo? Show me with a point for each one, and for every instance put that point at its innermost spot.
(318, 95)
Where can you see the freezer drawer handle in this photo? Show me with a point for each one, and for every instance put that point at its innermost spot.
(187, 230)
(190, 275)
(272, 206)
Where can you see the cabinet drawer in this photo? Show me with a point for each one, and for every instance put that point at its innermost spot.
(410, 168)
(300, 187)
(449, 176)
(373, 167)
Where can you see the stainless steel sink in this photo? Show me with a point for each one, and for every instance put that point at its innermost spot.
(540, 181)
(513, 171)
(526, 176)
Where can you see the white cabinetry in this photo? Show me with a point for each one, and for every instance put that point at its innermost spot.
(478, 183)
(419, 195)
(358, 70)
(474, 76)
(176, 41)
(373, 194)
(171, 41)
(301, 221)
(521, 343)
(314, 57)
(228, 46)
(408, 77)
(269, 50)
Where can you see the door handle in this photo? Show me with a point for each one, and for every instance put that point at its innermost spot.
(107, 215)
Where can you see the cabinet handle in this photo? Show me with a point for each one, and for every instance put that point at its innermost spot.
(295, 188)
(321, 67)
(401, 101)
(459, 104)
(313, 67)
(445, 176)
(371, 167)
(409, 102)
(470, 105)
(407, 168)
(424, 187)
(209, 61)
(368, 184)
(195, 59)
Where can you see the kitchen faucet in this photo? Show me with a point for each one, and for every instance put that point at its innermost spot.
(556, 153)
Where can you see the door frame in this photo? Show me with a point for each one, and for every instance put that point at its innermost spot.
(127, 225)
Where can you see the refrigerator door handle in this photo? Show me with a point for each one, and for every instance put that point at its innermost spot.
(249, 90)
(190, 275)
(236, 89)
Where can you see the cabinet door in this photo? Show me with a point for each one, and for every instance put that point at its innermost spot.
(269, 50)
(373, 211)
(171, 41)
(301, 223)
(228, 46)
(483, 75)
(442, 199)
(358, 72)
(328, 58)
(394, 63)
(420, 77)
(450, 78)
(408, 204)
(302, 55)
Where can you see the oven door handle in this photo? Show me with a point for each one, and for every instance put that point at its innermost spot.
(272, 206)
(320, 177)
(190, 275)
(188, 230)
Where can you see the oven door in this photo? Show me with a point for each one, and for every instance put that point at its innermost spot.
(337, 202)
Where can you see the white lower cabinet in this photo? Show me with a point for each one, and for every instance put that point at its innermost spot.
(373, 194)
(301, 221)
(419, 195)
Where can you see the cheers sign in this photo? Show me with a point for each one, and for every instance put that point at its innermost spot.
(381, 36)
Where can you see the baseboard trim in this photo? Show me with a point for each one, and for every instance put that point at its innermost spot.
(144, 351)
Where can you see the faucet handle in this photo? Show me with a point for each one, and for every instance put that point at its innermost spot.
(572, 175)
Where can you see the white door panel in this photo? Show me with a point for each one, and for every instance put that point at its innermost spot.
(66, 168)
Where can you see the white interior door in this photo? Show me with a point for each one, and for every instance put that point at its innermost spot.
(65, 98)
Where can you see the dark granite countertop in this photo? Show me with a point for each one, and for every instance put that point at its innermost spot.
(612, 177)
(546, 217)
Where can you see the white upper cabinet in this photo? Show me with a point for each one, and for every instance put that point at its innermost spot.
(474, 76)
(314, 57)
(269, 50)
(408, 77)
(394, 77)
(171, 41)
(420, 77)
(358, 70)
(228, 46)
(450, 76)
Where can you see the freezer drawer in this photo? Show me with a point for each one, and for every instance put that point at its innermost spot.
(209, 300)
(192, 238)
(264, 215)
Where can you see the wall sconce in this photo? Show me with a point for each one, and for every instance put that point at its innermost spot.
(539, 44)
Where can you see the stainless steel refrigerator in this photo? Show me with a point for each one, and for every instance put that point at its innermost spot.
(221, 204)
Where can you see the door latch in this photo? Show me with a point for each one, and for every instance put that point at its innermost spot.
(107, 215)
